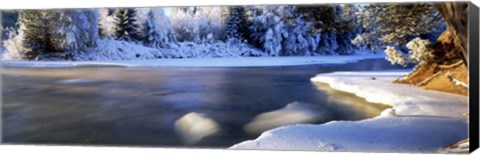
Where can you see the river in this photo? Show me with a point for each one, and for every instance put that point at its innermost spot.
(139, 106)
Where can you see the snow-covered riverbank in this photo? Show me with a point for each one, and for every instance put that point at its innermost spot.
(199, 62)
(420, 121)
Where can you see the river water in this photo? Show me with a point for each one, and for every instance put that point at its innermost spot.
(139, 106)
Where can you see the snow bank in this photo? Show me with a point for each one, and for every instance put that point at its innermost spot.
(199, 62)
(406, 99)
(293, 113)
(193, 127)
(420, 121)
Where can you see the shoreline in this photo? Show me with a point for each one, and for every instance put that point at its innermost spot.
(198, 62)
(422, 120)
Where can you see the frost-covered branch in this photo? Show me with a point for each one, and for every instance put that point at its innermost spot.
(419, 51)
(395, 57)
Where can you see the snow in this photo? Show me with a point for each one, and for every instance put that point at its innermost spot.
(420, 120)
(198, 62)
(195, 126)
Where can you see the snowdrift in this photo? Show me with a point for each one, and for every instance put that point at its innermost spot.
(420, 121)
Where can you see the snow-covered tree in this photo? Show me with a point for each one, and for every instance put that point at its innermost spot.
(126, 25)
(43, 32)
(236, 26)
(298, 39)
(47, 33)
(183, 23)
(267, 29)
(157, 29)
(257, 27)
(13, 44)
(106, 23)
(348, 28)
(196, 25)
(395, 24)
(335, 25)
(82, 31)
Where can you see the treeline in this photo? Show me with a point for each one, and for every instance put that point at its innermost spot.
(273, 30)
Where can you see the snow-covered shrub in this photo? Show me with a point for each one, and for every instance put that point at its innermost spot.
(212, 50)
(13, 45)
(394, 56)
(111, 49)
(419, 51)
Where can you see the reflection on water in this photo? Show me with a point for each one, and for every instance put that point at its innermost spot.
(293, 113)
(348, 104)
(156, 106)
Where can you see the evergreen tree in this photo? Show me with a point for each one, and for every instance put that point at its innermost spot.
(298, 40)
(257, 27)
(81, 31)
(126, 26)
(237, 24)
(42, 32)
(347, 28)
(157, 30)
(151, 36)
(396, 24)
(105, 23)
(272, 40)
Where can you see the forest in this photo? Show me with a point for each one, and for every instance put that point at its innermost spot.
(216, 31)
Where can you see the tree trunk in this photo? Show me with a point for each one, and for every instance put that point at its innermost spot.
(456, 17)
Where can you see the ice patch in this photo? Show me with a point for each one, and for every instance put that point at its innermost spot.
(193, 127)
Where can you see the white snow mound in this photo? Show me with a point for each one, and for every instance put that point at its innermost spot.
(193, 127)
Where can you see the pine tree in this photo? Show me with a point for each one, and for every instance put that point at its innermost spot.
(81, 31)
(298, 40)
(151, 36)
(272, 40)
(126, 26)
(237, 24)
(257, 27)
(42, 32)
(157, 31)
